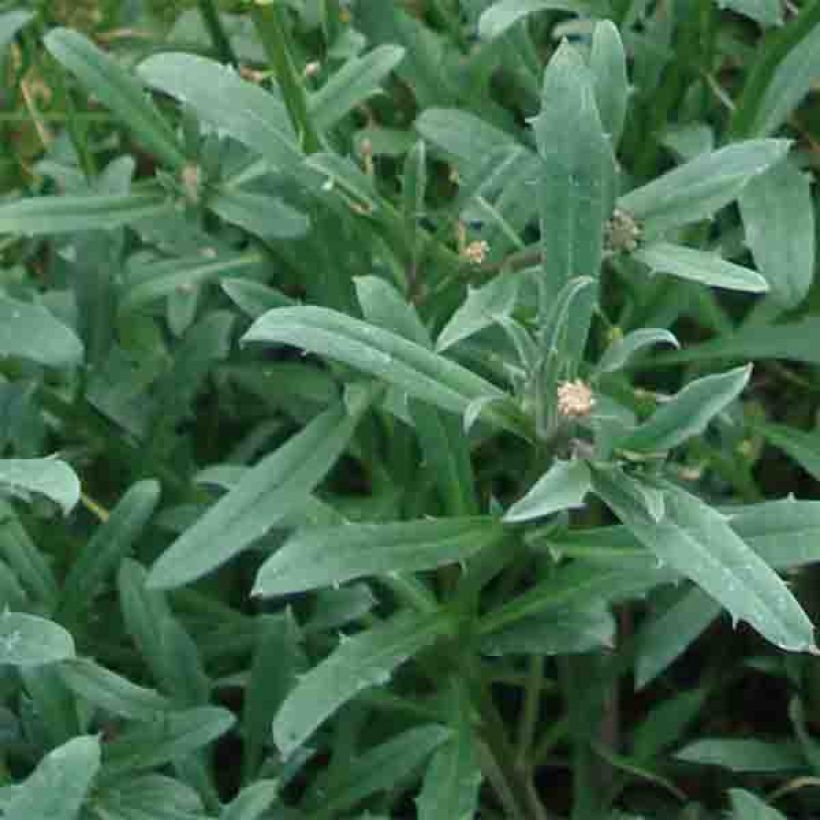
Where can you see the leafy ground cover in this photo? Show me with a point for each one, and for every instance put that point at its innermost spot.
(409, 409)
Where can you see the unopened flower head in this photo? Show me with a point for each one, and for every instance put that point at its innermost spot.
(575, 399)
(476, 252)
(622, 232)
(312, 69)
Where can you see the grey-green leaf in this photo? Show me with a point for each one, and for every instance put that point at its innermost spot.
(803, 447)
(118, 90)
(503, 14)
(264, 495)
(700, 266)
(764, 12)
(109, 544)
(30, 332)
(396, 360)
(562, 487)
(28, 640)
(778, 219)
(153, 796)
(365, 660)
(358, 79)
(607, 62)
(689, 412)
(747, 806)
(696, 190)
(619, 353)
(83, 212)
(252, 802)
(313, 558)
(744, 755)
(265, 216)
(58, 786)
(10, 23)
(698, 542)
(47, 476)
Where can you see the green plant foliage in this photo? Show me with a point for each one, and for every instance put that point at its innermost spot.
(408, 408)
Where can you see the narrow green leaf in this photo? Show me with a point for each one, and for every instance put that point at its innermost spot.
(481, 309)
(562, 487)
(46, 476)
(384, 767)
(222, 98)
(689, 412)
(453, 778)
(28, 640)
(358, 79)
(384, 306)
(58, 787)
(111, 692)
(10, 24)
(778, 219)
(146, 283)
(764, 12)
(265, 216)
(556, 630)
(275, 487)
(314, 558)
(791, 81)
(27, 561)
(365, 660)
(396, 360)
(30, 332)
(665, 638)
(619, 353)
(575, 190)
(109, 544)
(172, 736)
(503, 14)
(746, 806)
(254, 298)
(696, 190)
(700, 266)
(118, 90)
(151, 796)
(666, 722)
(751, 756)
(698, 542)
(85, 212)
(803, 447)
(252, 802)
(607, 62)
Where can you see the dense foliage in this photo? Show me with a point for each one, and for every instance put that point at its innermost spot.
(408, 408)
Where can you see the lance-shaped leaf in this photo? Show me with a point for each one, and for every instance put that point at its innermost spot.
(314, 558)
(562, 487)
(273, 489)
(28, 640)
(747, 806)
(698, 542)
(365, 660)
(689, 412)
(47, 476)
(503, 14)
(10, 24)
(619, 353)
(778, 219)
(30, 332)
(151, 795)
(170, 737)
(382, 768)
(453, 778)
(575, 189)
(86, 212)
(252, 802)
(803, 447)
(118, 90)
(607, 62)
(697, 189)
(700, 266)
(109, 544)
(398, 361)
(744, 755)
(358, 79)
(222, 98)
(265, 216)
(58, 787)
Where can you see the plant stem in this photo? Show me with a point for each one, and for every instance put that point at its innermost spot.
(268, 19)
(210, 17)
(528, 719)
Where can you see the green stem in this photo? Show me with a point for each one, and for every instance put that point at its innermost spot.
(528, 719)
(269, 21)
(210, 17)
